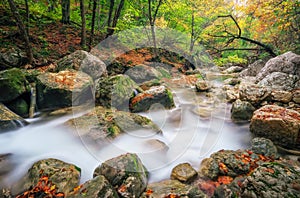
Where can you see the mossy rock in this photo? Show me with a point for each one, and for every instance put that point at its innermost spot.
(12, 84)
(19, 106)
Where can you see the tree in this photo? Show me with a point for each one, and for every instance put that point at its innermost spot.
(22, 30)
(83, 24)
(65, 8)
(113, 18)
(93, 23)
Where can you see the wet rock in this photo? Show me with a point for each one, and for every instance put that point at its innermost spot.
(241, 110)
(278, 124)
(252, 93)
(102, 123)
(296, 96)
(253, 69)
(63, 89)
(143, 73)
(184, 173)
(171, 188)
(9, 120)
(281, 96)
(263, 146)
(97, 187)
(233, 69)
(116, 91)
(83, 61)
(286, 63)
(19, 106)
(155, 95)
(63, 175)
(279, 81)
(126, 173)
(12, 84)
(5, 165)
(202, 85)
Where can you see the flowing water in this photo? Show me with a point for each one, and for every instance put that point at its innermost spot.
(192, 131)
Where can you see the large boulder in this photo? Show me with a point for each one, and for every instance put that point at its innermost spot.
(97, 187)
(255, 94)
(279, 81)
(278, 124)
(286, 63)
(241, 110)
(171, 188)
(12, 84)
(253, 69)
(142, 73)
(102, 123)
(83, 61)
(63, 89)
(115, 91)
(126, 173)
(63, 175)
(155, 95)
(9, 120)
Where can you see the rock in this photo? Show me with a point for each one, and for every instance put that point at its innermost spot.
(241, 110)
(63, 175)
(102, 123)
(116, 91)
(281, 96)
(143, 73)
(253, 69)
(148, 84)
(232, 81)
(126, 173)
(279, 81)
(202, 85)
(296, 96)
(155, 95)
(97, 187)
(184, 173)
(283, 125)
(19, 106)
(6, 165)
(286, 63)
(12, 58)
(12, 84)
(233, 69)
(63, 89)
(83, 61)
(171, 188)
(232, 95)
(263, 146)
(252, 93)
(9, 120)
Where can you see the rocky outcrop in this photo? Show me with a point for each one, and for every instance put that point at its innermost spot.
(171, 188)
(143, 73)
(155, 95)
(63, 89)
(241, 111)
(102, 123)
(126, 173)
(83, 61)
(97, 187)
(184, 173)
(279, 81)
(278, 124)
(63, 175)
(116, 91)
(9, 120)
(12, 84)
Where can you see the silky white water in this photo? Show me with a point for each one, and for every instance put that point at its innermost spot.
(187, 137)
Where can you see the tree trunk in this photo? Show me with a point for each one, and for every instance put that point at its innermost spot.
(83, 29)
(110, 13)
(93, 24)
(65, 8)
(27, 16)
(22, 30)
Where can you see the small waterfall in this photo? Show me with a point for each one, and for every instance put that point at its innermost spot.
(32, 100)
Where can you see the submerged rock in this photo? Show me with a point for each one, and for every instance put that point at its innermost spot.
(12, 84)
(97, 187)
(9, 120)
(241, 111)
(184, 173)
(102, 123)
(155, 95)
(63, 89)
(126, 173)
(278, 124)
(171, 188)
(63, 175)
(83, 61)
